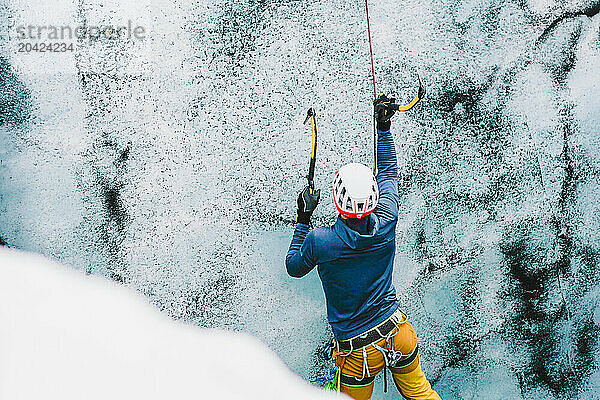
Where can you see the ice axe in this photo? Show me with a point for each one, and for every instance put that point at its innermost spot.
(312, 116)
(419, 97)
(391, 105)
(399, 107)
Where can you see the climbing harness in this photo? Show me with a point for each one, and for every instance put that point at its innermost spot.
(373, 335)
(396, 107)
(391, 357)
(312, 116)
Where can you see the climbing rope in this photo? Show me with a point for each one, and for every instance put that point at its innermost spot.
(396, 107)
(374, 89)
(371, 49)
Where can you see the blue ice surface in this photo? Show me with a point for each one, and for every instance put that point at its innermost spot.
(273, 245)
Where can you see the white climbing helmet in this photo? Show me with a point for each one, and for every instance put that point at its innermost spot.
(355, 191)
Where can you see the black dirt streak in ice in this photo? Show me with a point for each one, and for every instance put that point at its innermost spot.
(15, 101)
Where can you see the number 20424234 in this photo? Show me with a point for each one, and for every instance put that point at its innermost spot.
(45, 47)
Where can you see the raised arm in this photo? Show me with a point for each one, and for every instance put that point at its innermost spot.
(387, 171)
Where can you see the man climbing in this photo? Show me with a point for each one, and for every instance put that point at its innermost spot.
(355, 259)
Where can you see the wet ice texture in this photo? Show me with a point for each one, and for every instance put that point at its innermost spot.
(172, 165)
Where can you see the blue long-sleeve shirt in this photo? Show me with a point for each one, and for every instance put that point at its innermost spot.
(355, 259)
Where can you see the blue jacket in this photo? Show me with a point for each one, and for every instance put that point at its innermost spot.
(355, 258)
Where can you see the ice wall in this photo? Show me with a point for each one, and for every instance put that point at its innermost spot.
(172, 165)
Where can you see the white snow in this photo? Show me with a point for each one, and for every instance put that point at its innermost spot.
(64, 335)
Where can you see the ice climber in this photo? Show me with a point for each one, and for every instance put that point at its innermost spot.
(355, 260)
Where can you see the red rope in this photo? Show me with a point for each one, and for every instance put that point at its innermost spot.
(371, 48)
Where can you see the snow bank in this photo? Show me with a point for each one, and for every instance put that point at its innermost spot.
(64, 335)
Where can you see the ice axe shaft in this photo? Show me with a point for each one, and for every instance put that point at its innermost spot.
(312, 116)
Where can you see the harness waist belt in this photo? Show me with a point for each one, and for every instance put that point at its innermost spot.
(374, 334)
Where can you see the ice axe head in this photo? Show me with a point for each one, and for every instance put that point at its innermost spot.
(309, 113)
(422, 90)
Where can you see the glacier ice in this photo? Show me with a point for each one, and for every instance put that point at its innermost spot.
(172, 165)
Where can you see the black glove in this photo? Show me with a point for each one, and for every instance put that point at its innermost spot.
(307, 203)
(383, 112)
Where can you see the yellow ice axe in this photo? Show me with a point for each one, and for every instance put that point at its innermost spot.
(313, 155)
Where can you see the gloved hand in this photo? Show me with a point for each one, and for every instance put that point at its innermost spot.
(383, 113)
(307, 203)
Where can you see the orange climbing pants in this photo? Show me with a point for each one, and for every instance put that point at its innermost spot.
(408, 376)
